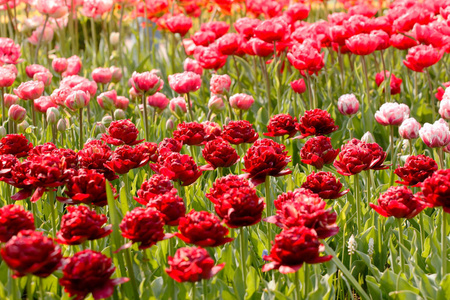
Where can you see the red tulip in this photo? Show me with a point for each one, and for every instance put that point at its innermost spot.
(435, 190)
(210, 57)
(272, 30)
(93, 156)
(13, 219)
(192, 133)
(30, 90)
(219, 154)
(170, 205)
(223, 184)
(280, 125)
(325, 185)
(238, 132)
(416, 169)
(186, 82)
(318, 152)
(126, 158)
(122, 132)
(421, 57)
(178, 167)
(316, 122)
(219, 28)
(362, 44)
(398, 202)
(179, 24)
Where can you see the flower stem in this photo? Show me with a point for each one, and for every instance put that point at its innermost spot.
(29, 289)
(81, 129)
(41, 289)
(357, 202)
(144, 104)
(441, 157)
(306, 286)
(193, 291)
(238, 74)
(51, 198)
(243, 249)
(298, 295)
(189, 107)
(269, 207)
(2, 98)
(94, 41)
(430, 87)
(444, 244)
(40, 39)
(400, 241)
(130, 268)
(266, 79)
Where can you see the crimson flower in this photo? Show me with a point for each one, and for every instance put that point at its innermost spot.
(240, 207)
(148, 149)
(31, 253)
(88, 187)
(436, 190)
(203, 229)
(294, 247)
(325, 185)
(178, 166)
(398, 202)
(291, 196)
(179, 24)
(13, 219)
(170, 205)
(81, 224)
(126, 158)
(265, 158)
(238, 132)
(156, 185)
(169, 145)
(282, 124)
(89, 272)
(305, 57)
(145, 226)
(219, 154)
(421, 57)
(416, 169)
(210, 57)
(15, 144)
(7, 163)
(192, 133)
(318, 152)
(223, 184)
(308, 211)
(192, 264)
(93, 156)
(122, 132)
(316, 122)
(362, 44)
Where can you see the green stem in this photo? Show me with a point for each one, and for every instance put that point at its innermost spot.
(51, 198)
(205, 290)
(269, 207)
(346, 272)
(81, 129)
(40, 39)
(41, 288)
(310, 97)
(444, 244)
(298, 294)
(144, 104)
(94, 41)
(363, 61)
(237, 74)
(441, 157)
(189, 107)
(131, 273)
(243, 250)
(306, 287)
(29, 288)
(400, 241)
(2, 98)
(357, 202)
(430, 87)
(266, 80)
(193, 297)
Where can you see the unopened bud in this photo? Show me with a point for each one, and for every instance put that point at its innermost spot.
(17, 113)
(119, 114)
(62, 125)
(23, 126)
(170, 125)
(106, 121)
(368, 137)
(52, 115)
(2, 132)
(99, 128)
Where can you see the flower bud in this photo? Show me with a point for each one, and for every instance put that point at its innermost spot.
(23, 126)
(10, 99)
(52, 115)
(227, 120)
(99, 128)
(178, 106)
(409, 129)
(158, 100)
(119, 114)
(2, 132)
(368, 137)
(122, 102)
(170, 125)
(107, 100)
(61, 125)
(106, 120)
(348, 104)
(77, 100)
(17, 113)
(215, 103)
(114, 38)
(444, 109)
(116, 74)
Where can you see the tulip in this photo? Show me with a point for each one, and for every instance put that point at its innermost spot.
(348, 104)
(17, 113)
(409, 129)
(102, 75)
(215, 103)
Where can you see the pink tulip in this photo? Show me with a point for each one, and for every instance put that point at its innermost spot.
(44, 77)
(444, 109)
(178, 106)
(54, 8)
(186, 82)
(30, 90)
(59, 64)
(191, 65)
(147, 82)
(77, 100)
(348, 104)
(102, 75)
(10, 99)
(7, 77)
(220, 84)
(74, 65)
(122, 102)
(241, 101)
(158, 100)
(116, 74)
(215, 103)
(298, 86)
(435, 135)
(107, 100)
(43, 103)
(17, 113)
(392, 114)
(36, 35)
(409, 129)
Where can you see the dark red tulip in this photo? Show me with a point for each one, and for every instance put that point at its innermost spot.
(156, 185)
(238, 132)
(318, 152)
(218, 153)
(223, 184)
(122, 132)
(325, 185)
(15, 144)
(13, 219)
(192, 133)
(282, 124)
(316, 122)
(421, 57)
(126, 158)
(416, 169)
(398, 202)
(291, 196)
(94, 155)
(179, 24)
(178, 167)
(436, 190)
(170, 205)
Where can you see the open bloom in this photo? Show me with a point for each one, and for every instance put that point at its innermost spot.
(305, 57)
(318, 152)
(156, 185)
(223, 184)
(185, 82)
(316, 122)
(203, 229)
(436, 190)
(294, 247)
(421, 57)
(192, 264)
(178, 166)
(81, 224)
(282, 124)
(362, 44)
(179, 24)
(31, 253)
(15, 144)
(146, 82)
(144, 226)
(398, 202)
(325, 185)
(238, 132)
(122, 132)
(348, 104)
(93, 156)
(13, 219)
(170, 205)
(89, 272)
(240, 207)
(192, 133)
(435, 135)
(266, 158)
(241, 101)
(416, 170)
(220, 84)
(409, 129)
(30, 90)
(392, 114)
(272, 30)
(219, 154)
